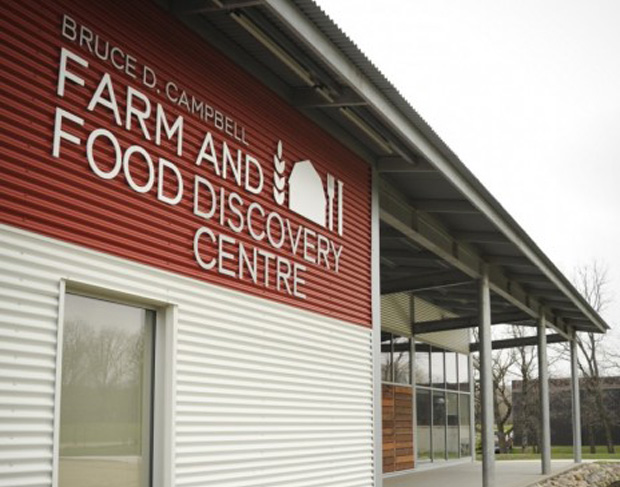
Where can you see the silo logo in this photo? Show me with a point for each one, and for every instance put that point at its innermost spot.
(306, 194)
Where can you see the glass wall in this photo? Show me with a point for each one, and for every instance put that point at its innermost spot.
(402, 360)
(439, 424)
(441, 381)
(464, 423)
(395, 359)
(386, 357)
(442, 403)
(423, 428)
(422, 365)
(453, 425)
(438, 368)
(451, 371)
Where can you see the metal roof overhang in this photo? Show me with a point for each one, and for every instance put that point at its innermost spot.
(439, 225)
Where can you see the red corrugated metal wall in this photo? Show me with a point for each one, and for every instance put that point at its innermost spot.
(63, 198)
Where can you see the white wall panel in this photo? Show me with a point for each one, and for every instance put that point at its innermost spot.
(456, 340)
(266, 394)
(396, 313)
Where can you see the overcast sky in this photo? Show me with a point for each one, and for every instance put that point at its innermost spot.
(527, 94)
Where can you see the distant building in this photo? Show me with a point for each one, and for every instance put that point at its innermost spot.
(561, 410)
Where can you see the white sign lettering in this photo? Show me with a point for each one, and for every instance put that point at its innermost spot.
(229, 220)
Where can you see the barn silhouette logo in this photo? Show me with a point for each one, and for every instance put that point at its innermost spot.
(307, 195)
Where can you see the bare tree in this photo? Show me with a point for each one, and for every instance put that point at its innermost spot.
(503, 362)
(526, 361)
(591, 280)
(502, 365)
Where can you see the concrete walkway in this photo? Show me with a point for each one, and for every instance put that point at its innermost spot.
(511, 473)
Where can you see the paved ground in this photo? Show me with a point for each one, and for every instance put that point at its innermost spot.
(511, 473)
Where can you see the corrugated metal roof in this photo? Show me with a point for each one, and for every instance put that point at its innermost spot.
(331, 30)
(461, 185)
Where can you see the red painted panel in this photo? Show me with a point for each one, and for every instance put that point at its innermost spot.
(63, 196)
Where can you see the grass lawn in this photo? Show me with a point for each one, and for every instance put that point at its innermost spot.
(561, 452)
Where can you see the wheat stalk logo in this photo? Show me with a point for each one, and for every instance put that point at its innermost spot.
(279, 181)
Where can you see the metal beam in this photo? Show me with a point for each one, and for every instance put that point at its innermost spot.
(397, 164)
(559, 305)
(467, 322)
(571, 315)
(508, 260)
(518, 342)
(422, 282)
(482, 237)
(543, 388)
(551, 293)
(410, 257)
(445, 206)
(403, 271)
(486, 383)
(397, 213)
(530, 278)
(308, 97)
(192, 7)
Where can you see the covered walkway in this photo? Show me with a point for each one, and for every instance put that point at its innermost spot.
(519, 473)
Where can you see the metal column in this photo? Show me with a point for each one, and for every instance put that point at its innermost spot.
(376, 334)
(472, 409)
(574, 380)
(543, 387)
(486, 382)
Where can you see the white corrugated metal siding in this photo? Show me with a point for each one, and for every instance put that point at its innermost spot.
(457, 340)
(396, 313)
(267, 395)
(396, 316)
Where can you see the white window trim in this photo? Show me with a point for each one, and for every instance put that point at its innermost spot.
(164, 375)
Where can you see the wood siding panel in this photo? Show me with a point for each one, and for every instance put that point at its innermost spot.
(397, 403)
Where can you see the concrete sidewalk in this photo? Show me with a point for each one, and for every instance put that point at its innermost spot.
(511, 473)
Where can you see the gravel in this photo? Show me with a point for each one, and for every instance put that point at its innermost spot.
(586, 475)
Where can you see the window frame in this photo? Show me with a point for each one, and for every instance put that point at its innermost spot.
(163, 373)
(433, 388)
(391, 361)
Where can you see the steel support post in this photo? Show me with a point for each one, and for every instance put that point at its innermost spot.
(376, 334)
(486, 382)
(543, 388)
(574, 380)
(472, 407)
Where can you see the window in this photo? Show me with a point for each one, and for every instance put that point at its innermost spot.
(386, 357)
(465, 421)
(451, 374)
(423, 429)
(439, 424)
(463, 372)
(402, 360)
(422, 364)
(442, 403)
(453, 425)
(437, 368)
(395, 358)
(106, 412)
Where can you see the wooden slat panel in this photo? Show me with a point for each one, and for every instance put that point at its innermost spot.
(397, 428)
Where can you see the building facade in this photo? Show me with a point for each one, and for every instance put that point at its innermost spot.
(231, 254)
